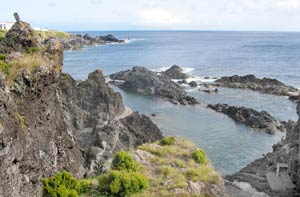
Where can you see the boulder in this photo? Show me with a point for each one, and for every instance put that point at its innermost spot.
(175, 72)
(182, 82)
(193, 84)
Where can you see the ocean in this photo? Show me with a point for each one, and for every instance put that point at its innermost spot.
(229, 145)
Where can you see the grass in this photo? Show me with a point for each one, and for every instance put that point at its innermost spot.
(21, 119)
(171, 167)
(29, 62)
(52, 33)
(2, 33)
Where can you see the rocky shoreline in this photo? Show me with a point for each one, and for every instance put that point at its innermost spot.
(78, 41)
(50, 122)
(260, 173)
(258, 120)
(265, 85)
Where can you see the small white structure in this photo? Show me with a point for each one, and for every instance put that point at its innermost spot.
(40, 29)
(6, 25)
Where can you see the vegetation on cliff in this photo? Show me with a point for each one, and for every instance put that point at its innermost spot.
(150, 170)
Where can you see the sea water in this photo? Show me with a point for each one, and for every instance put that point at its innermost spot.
(229, 145)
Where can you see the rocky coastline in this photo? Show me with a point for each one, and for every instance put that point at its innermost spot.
(261, 172)
(258, 120)
(50, 122)
(265, 85)
(78, 41)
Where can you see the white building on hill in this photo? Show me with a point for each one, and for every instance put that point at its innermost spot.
(6, 25)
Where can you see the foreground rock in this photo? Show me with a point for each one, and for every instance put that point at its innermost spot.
(265, 85)
(175, 72)
(100, 122)
(250, 117)
(79, 41)
(49, 122)
(145, 82)
(261, 174)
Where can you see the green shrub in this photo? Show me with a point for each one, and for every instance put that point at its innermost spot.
(199, 156)
(121, 183)
(2, 57)
(33, 50)
(62, 184)
(123, 161)
(167, 141)
(5, 68)
(85, 185)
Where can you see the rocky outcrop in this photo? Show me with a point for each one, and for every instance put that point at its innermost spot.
(252, 118)
(265, 85)
(20, 38)
(286, 151)
(175, 72)
(79, 41)
(145, 82)
(101, 124)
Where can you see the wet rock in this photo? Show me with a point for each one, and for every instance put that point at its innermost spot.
(209, 91)
(294, 97)
(265, 85)
(250, 117)
(175, 72)
(109, 38)
(193, 84)
(182, 82)
(145, 82)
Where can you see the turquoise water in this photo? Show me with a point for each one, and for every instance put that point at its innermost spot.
(229, 145)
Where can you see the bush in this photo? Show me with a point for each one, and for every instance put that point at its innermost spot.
(121, 183)
(85, 185)
(62, 184)
(2, 57)
(167, 141)
(33, 50)
(4, 67)
(199, 156)
(123, 161)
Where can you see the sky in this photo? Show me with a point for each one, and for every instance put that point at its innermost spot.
(72, 15)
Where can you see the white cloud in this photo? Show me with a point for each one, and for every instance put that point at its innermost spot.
(158, 16)
(289, 3)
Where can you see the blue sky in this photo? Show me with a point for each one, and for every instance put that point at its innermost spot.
(261, 15)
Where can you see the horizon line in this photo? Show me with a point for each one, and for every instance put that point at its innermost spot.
(185, 30)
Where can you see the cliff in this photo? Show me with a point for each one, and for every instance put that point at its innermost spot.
(50, 122)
